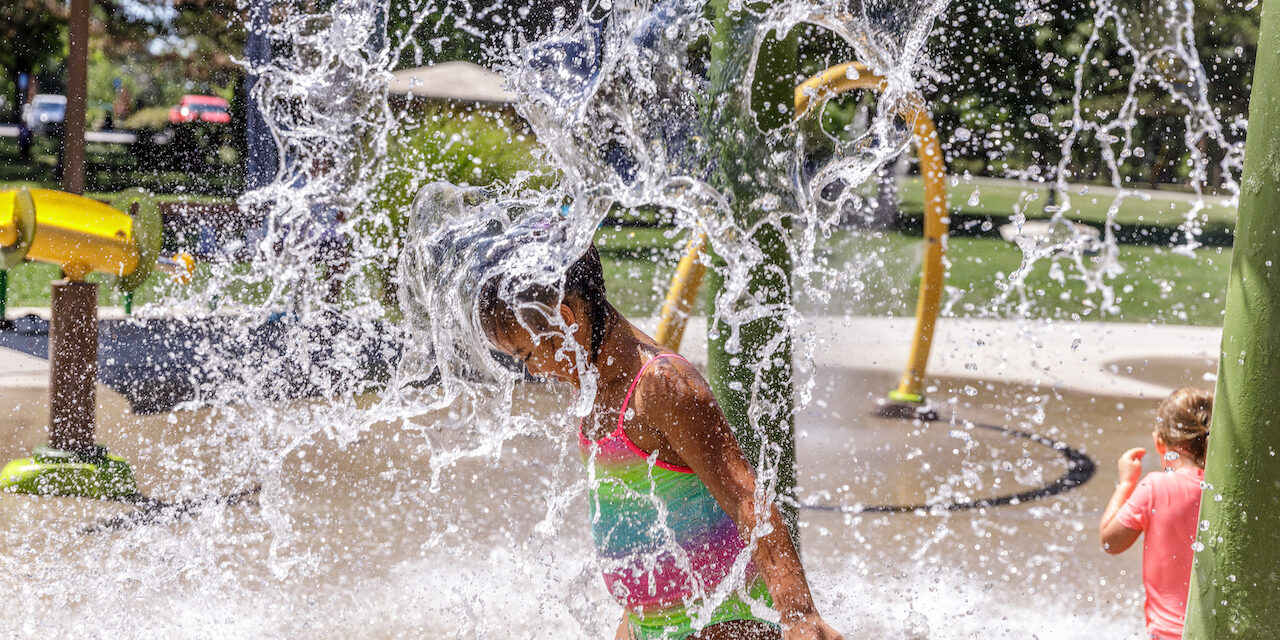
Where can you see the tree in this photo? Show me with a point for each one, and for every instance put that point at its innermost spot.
(32, 35)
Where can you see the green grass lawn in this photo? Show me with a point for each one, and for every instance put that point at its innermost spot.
(871, 273)
(878, 274)
(1156, 285)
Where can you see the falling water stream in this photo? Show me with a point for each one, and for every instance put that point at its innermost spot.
(442, 496)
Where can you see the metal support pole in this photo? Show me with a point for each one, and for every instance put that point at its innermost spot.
(73, 365)
(4, 296)
(81, 236)
(907, 399)
(1235, 587)
(933, 270)
(77, 88)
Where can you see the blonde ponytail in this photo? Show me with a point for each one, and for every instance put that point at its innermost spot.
(1183, 420)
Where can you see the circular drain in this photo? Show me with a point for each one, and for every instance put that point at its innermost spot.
(1079, 470)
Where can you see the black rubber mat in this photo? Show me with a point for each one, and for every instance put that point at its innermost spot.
(157, 364)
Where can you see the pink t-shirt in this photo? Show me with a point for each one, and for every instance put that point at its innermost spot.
(1165, 506)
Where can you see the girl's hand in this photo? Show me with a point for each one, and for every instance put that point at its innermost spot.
(810, 627)
(1131, 466)
(1114, 536)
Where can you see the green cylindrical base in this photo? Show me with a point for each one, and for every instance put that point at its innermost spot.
(52, 472)
(902, 396)
(905, 406)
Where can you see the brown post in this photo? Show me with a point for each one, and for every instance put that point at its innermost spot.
(73, 365)
(77, 89)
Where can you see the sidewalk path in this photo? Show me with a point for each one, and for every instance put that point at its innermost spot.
(1100, 358)
(21, 371)
(1168, 194)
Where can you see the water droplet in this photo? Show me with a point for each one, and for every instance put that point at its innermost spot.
(917, 625)
(1040, 120)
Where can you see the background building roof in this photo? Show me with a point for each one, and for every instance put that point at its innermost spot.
(455, 80)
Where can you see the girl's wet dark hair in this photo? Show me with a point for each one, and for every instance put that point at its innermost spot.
(583, 281)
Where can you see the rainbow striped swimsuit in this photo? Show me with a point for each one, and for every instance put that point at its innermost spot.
(661, 536)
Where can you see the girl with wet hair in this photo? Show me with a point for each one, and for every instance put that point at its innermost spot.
(672, 498)
(1165, 506)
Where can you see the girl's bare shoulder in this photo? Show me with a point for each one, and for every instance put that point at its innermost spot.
(673, 384)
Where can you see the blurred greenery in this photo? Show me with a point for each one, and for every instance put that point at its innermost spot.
(1001, 63)
(116, 167)
(148, 118)
(465, 146)
(997, 71)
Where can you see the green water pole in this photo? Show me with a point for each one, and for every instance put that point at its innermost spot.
(765, 343)
(1235, 582)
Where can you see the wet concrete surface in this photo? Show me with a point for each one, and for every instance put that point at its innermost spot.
(297, 520)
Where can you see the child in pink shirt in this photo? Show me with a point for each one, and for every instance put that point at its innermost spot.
(1165, 506)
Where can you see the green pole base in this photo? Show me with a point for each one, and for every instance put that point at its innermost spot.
(905, 406)
(903, 396)
(53, 472)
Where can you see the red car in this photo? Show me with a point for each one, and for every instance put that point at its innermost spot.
(200, 109)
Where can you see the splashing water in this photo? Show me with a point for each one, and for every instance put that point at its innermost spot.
(443, 498)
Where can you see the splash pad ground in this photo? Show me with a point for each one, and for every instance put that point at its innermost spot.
(370, 550)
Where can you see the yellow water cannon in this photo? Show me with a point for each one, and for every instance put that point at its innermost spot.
(81, 236)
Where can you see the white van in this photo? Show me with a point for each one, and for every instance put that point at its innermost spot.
(44, 113)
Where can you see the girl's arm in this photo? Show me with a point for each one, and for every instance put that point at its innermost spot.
(685, 413)
(1116, 537)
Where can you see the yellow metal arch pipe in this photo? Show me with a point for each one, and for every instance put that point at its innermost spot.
(813, 93)
(682, 293)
